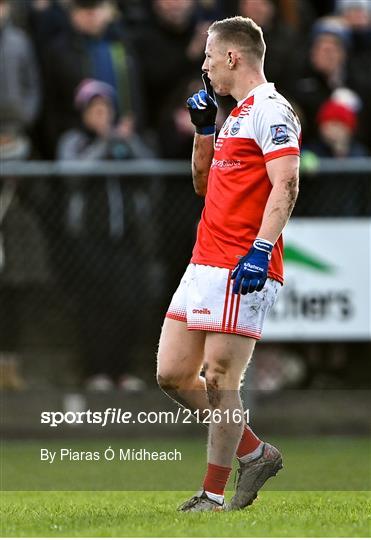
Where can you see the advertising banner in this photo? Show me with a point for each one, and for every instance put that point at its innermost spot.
(326, 295)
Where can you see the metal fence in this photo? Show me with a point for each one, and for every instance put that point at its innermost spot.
(91, 253)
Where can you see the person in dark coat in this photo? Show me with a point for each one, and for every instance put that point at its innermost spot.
(328, 67)
(19, 76)
(281, 41)
(95, 47)
(45, 19)
(171, 48)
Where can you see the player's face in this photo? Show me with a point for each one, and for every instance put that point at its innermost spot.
(216, 65)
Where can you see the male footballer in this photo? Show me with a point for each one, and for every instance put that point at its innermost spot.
(249, 178)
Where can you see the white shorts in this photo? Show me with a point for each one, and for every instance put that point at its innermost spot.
(205, 301)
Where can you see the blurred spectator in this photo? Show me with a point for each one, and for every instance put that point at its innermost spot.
(134, 12)
(299, 15)
(46, 20)
(95, 47)
(337, 122)
(210, 10)
(336, 138)
(280, 39)
(24, 268)
(323, 7)
(98, 218)
(172, 48)
(97, 137)
(325, 70)
(356, 14)
(176, 131)
(19, 89)
(14, 143)
(332, 65)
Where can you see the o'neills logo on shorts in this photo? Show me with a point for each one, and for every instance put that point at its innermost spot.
(203, 311)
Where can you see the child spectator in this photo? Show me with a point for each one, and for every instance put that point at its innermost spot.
(337, 123)
(336, 138)
(97, 136)
(102, 232)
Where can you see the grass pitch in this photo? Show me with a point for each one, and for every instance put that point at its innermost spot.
(153, 513)
(141, 514)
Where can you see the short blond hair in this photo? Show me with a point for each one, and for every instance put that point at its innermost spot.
(242, 32)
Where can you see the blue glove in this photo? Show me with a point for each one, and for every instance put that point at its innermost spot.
(203, 108)
(252, 271)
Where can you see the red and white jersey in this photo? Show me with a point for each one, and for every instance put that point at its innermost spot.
(262, 127)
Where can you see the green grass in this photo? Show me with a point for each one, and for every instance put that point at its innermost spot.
(313, 464)
(324, 490)
(117, 514)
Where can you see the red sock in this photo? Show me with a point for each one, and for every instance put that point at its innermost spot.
(216, 478)
(248, 443)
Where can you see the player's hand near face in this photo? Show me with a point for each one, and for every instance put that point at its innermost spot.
(203, 108)
(251, 272)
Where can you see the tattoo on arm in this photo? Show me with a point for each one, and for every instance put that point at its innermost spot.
(292, 193)
(283, 206)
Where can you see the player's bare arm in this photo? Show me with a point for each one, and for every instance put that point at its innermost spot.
(283, 172)
(203, 151)
(251, 273)
(202, 108)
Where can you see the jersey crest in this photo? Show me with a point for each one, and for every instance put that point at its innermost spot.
(235, 127)
(279, 134)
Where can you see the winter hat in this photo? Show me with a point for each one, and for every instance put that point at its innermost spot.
(334, 26)
(91, 88)
(342, 106)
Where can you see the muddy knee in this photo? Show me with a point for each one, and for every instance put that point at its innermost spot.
(214, 394)
(216, 377)
(168, 381)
